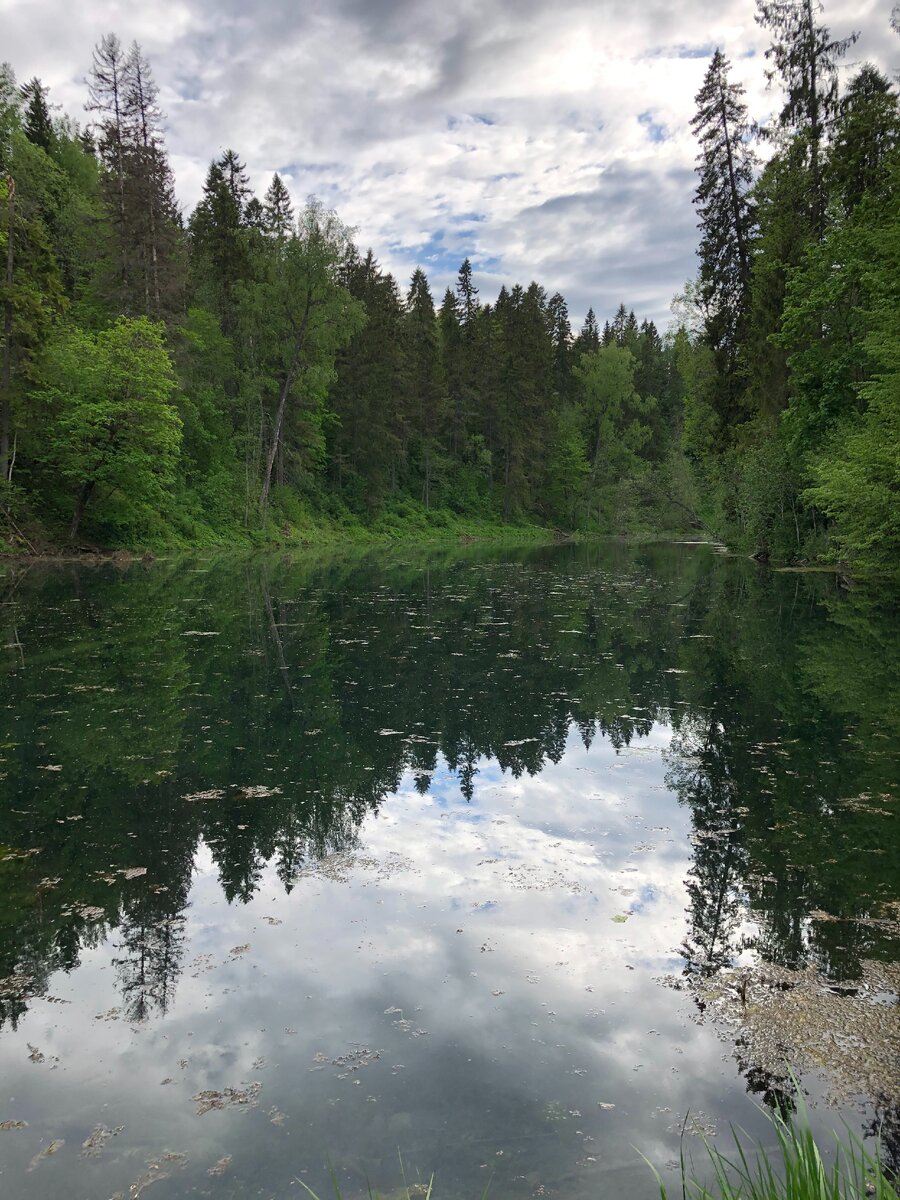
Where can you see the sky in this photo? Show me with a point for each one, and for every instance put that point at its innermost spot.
(544, 140)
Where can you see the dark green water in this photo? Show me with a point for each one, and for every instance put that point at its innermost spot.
(444, 855)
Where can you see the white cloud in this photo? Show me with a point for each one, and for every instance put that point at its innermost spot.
(414, 118)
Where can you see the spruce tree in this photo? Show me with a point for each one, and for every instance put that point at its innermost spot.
(725, 170)
(107, 87)
(220, 259)
(805, 59)
(152, 211)
(36, 123)
(425, 388)
(867, 132)
(588, 339)
(278, 212)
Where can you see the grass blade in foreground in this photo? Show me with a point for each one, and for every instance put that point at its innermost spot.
(794, 1170)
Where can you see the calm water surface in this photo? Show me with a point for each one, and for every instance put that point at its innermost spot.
(501, 861)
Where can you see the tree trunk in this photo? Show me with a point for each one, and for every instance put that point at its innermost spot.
(276, 433)
(299, 343)
(6, 376)
(83, 496)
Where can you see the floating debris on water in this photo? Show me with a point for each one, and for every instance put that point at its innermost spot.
(245, 1096)
(94, 1143)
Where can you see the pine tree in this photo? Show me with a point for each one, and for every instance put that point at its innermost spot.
(725, 170)
(368, 442)
(107, 86)
(467, 294)
(36, 123)
(153, 216)
(588, 339)
(561, 334)
(220, 259)
(866, 133)
(425, 387)
(805, 58)
(278, 212)
(137, 180)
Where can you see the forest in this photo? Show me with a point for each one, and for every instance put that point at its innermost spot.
(245, 374)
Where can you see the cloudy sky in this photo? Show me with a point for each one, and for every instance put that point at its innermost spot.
(545, 140)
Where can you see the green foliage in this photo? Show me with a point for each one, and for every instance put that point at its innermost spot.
(309, 391)
(616, 434)
(113, 434)
(794, 1170)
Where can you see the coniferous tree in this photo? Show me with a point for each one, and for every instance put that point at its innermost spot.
(588, 339)
(725, 170)
(867, 132)
(805, 59)
(424, 377)
(220, 260)
(137, 180)
(107, 91)
(36, 122)
(153, 216)
(278, 212)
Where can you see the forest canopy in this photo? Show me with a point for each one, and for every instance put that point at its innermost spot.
(244, 372)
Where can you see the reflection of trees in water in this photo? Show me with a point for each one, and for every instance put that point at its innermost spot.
(786, 767)
(324, 685)
(148, 962)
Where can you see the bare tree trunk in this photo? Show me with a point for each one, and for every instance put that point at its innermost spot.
(6, 377)
(276, 438)
(299, 342)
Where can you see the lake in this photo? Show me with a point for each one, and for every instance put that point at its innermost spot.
(499, 864)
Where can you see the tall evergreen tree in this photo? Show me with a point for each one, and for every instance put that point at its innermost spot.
(725, 170)
(425, 386)
(107, 98)
(867, 131)
(805, 58)
(588, 339)
(278, 212)
(36, 122)
(220, 260)
(153, 216)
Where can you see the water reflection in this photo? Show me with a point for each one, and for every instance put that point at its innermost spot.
(449, 811)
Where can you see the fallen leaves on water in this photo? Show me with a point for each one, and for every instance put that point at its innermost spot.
(780, 1015)
(16, 987)
(245, 1096)
(259, 791)
(56, 1144)
(94, 1143)
(200, 797)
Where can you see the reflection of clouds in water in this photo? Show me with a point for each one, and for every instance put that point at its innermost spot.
(475, 947)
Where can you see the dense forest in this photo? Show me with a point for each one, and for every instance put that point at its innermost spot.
(245, 373)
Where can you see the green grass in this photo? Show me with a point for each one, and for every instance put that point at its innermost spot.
(793, 1170)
